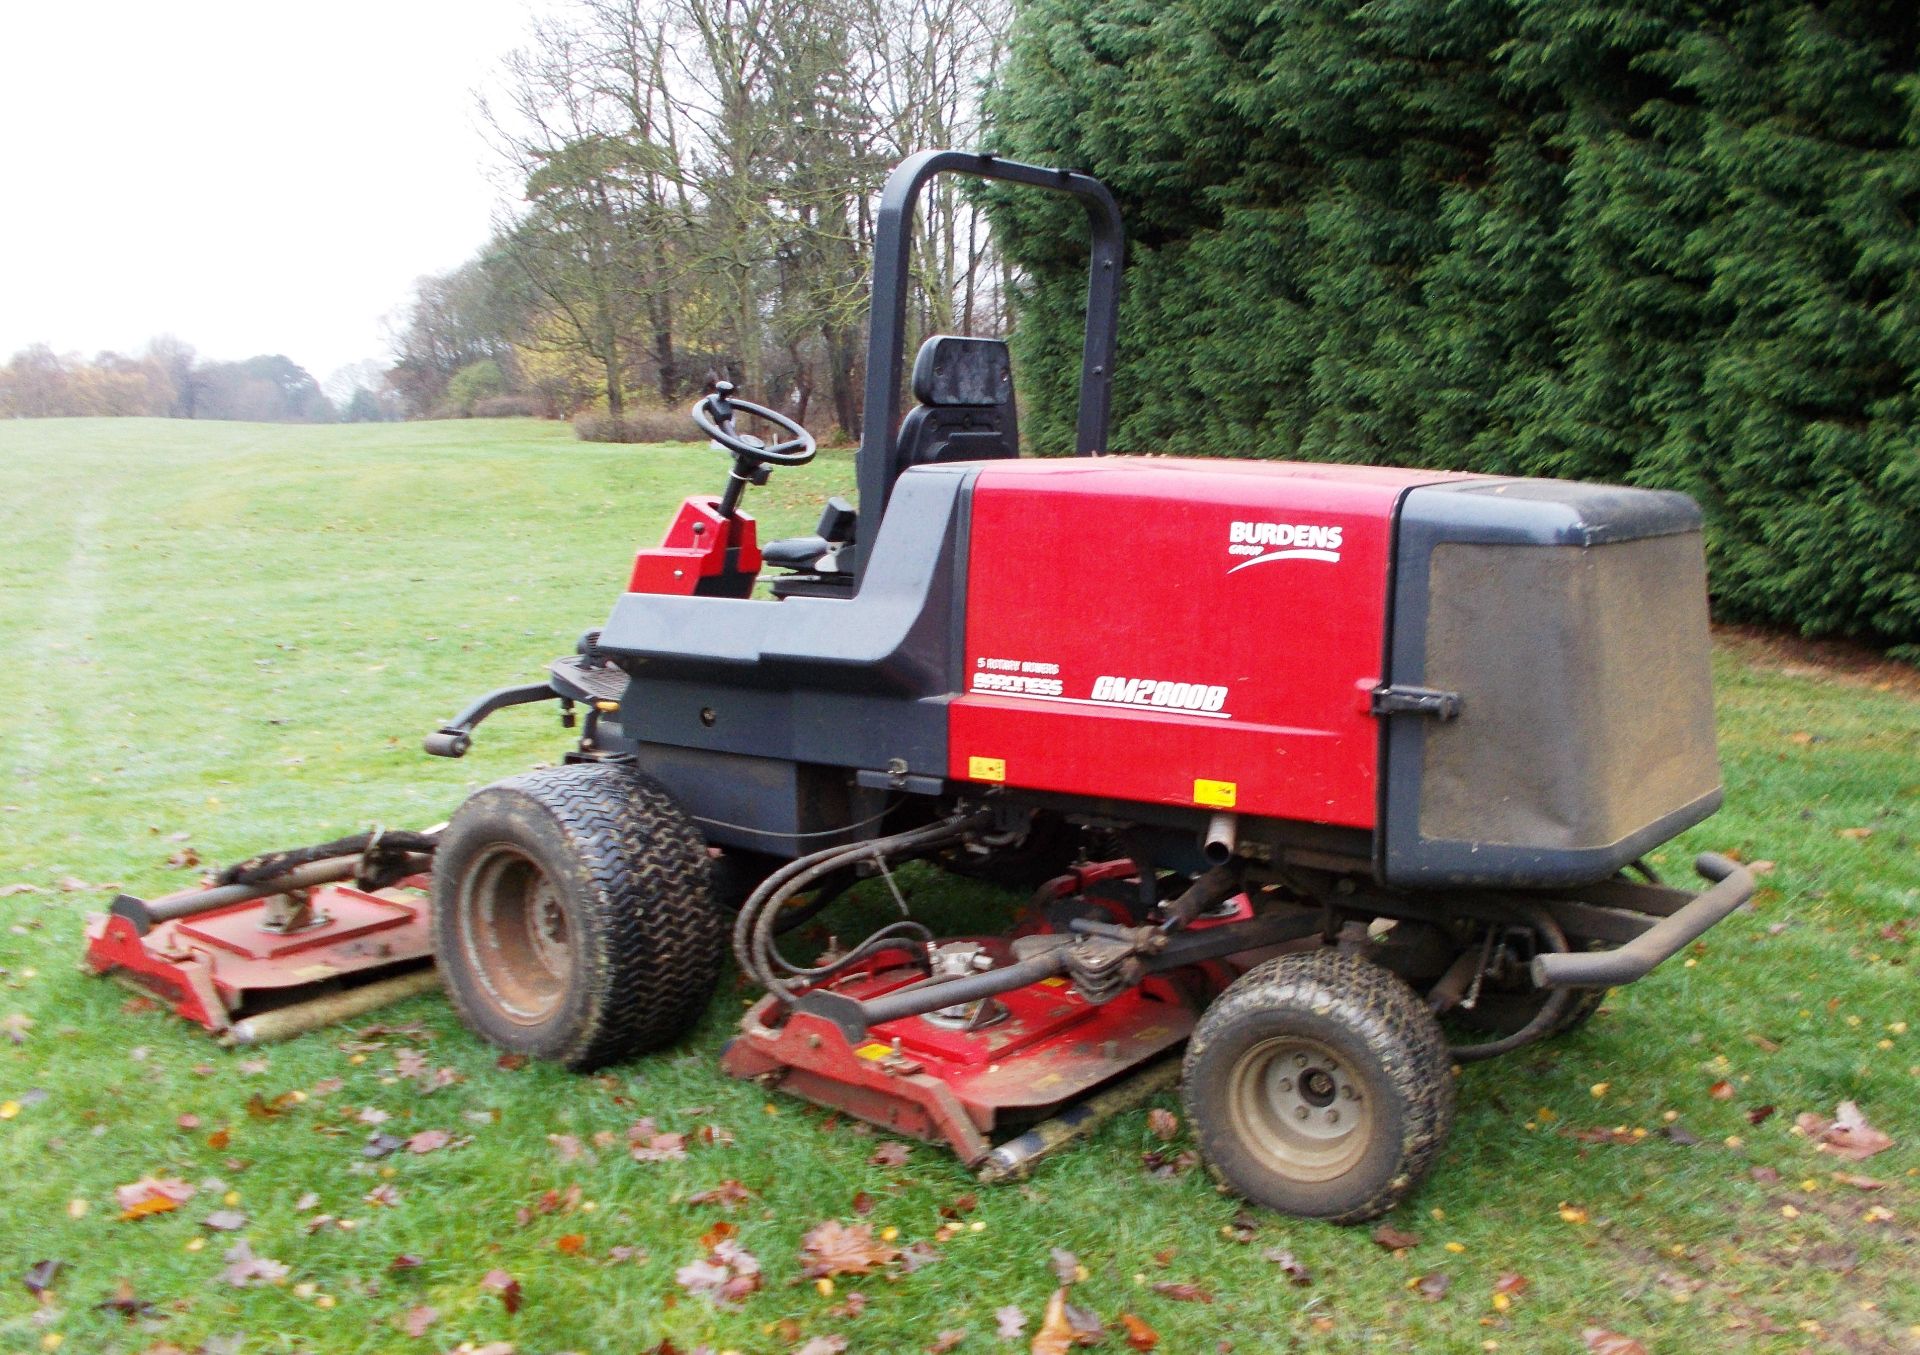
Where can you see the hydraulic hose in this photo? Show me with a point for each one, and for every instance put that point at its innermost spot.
(755, 926)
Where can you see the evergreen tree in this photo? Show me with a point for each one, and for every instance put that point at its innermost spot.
(1650, 241)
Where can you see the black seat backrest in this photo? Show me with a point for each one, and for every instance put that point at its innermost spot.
(966, 410)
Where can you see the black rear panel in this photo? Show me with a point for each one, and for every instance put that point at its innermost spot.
(1572, 622)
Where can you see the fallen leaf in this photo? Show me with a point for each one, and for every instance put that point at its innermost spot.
(659, 1148)
(503, 1284)
(727, 1194)
(1056, 1335)
(1008, 1323)
(823, 1345)
(570, 1244)
(1573, 1213)
(1289, 1265)
(429, 1140)
(1510, 1282)
(1434, 1287)
(225, 1221)
(1856, 834)
(1066, 1266)
(245, 1269)
(307, 1200)
(1164, 1166)
(511, 1063)
(1163, 1123)
(1181, 1292)
(727, 1275)
(1859, 1182)
(1680, 1134)
(1721, 1090)
(947, 1340)
(404, 1262)
(1139, 1335)
(418, 1319)
(1849, 1135)
(260, 1108)
(1765, 1175)
(168, 1188)
(8, 891)
(892, 1153)
(1395, 1239)
(862, 1203)
(41, 1275)
(915, 1255)
(834, 1248)
(1760, 1114)
(15, 1026)
(1600, 1341)
(125, 1302)
(373, 1115)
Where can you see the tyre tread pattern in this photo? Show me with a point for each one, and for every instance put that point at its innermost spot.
(654, 957)
(1392, 1020)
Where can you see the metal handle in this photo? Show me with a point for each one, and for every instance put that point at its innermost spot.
(1734, 885)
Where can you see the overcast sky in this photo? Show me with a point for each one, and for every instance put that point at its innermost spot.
(253, 176)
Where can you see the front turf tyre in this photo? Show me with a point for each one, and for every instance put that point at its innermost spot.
(1319, 1085)
(573, 915)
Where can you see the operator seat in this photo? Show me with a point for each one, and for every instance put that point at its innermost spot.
(965, 413)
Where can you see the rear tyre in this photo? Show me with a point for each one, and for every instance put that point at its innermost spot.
(573, 915)
(1319, 1085)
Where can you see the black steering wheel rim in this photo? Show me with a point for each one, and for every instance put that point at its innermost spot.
(795, 451)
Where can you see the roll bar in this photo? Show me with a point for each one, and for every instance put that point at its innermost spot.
(886, 338)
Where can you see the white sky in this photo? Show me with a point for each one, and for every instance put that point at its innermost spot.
(251, 175)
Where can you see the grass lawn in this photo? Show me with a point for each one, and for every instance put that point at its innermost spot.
(232, 638)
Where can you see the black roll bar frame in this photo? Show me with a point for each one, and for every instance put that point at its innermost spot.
(886, 338)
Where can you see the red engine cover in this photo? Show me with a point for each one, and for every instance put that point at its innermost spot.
(1179, 631)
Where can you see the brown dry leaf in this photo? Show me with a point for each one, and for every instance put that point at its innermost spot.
(1856, 834)
(429, 1141)
(659, 1148)
(570, 1244)
(405, 1261)
(260, 1108)
(1008, 1323)
(169, 1188)
(511, 1063)
(833, 1248)
(1395, 1239)
(1139, 1335)
(1182, 1292)
(727, 1194)
(892, 1153)
(503, 1284)
(1510, 1282)
(1163, 1123)
(1056, 1335)
(1847, 1135)
(1289, 1264)
(1066, 1266)
(40, 1277)
(418, 1319)
(862, 1203)
(947, 1340)
(1600, 1341)
(717, 1234)
(1433, 1287)
(1721, 1090)
(1859, 1182)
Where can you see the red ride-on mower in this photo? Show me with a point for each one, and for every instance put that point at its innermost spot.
(1296, 762)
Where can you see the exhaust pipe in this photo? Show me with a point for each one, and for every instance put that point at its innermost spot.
(1221, 839)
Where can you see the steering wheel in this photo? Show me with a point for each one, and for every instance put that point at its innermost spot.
(714, 417)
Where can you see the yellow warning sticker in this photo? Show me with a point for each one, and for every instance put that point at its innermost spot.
(1053, 983)
(1219, 794)
(987, 768)
(876, 1050)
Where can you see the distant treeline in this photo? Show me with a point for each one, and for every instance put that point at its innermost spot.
(168, 380)
(697, 182)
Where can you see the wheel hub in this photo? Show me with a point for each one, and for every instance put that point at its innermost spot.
(1300, 1106)
(515, 932)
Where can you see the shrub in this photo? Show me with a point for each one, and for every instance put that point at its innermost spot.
(473, 383)
(1660, 243)
(636, 425)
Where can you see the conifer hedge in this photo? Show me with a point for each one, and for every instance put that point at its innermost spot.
(1657, 242)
